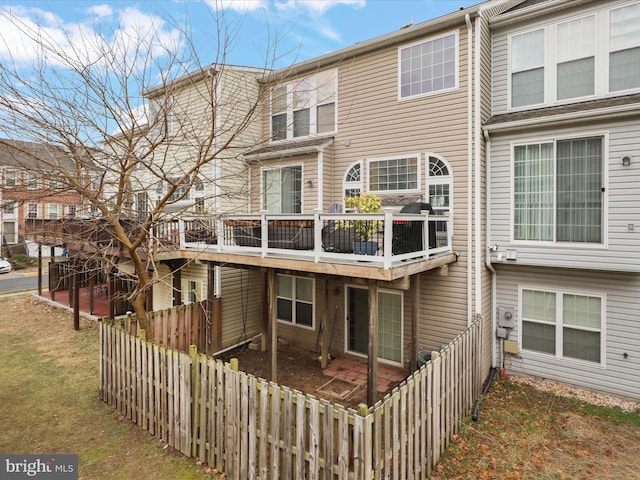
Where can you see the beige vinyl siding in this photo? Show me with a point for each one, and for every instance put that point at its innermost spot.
(240, 92)
(241, 305)
(621, 330)
(621, 201)
(162, 288)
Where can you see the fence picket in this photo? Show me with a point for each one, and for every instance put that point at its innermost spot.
(249, 428)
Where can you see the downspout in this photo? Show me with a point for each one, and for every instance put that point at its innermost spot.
(217, 174)
(469, 168)
(490, 248)
(320, 185)
(478, 173)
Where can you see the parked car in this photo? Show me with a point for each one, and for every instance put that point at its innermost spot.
(5, 266)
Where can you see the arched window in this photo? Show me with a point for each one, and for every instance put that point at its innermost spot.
(439, 185)
(352, 184)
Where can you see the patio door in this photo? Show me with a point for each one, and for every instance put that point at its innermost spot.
(389, 323)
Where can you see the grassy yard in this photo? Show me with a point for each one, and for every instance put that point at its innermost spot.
(49, 404)
(49, 399)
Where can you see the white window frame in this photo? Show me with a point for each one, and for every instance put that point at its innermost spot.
(53, 209)
(605, 195)
(399, 293)
(601, 59)
(294, 299)
(10, 179)
(192, 289)
(456, 36)
(352, 185)
(313, 103)
(418, 187)
(36, 208)
(32, 181)
(263, 171)
(560, 325)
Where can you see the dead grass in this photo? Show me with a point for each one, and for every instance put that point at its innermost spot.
(526, 433)
(49, 398)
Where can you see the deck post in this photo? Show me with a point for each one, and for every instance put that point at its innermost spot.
(39, 270)
(415, 308)
(76, 295)
(372, 370)
(324, 352)
(273, 313)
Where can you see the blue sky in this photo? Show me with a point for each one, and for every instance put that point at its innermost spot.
(304, 28)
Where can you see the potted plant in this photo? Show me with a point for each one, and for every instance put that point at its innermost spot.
(365, 229)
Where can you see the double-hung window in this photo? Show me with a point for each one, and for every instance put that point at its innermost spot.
(295, 300)
(282, 189)
(10, 179)
(558, 191)
(429, 67)
(562, 324)
(527, 68)
(624, 48)
(394, 174)
(575, 68)
(52, 211)
(305, 107)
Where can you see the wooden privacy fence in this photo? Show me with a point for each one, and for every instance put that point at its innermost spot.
(180, 327)
(253, 429)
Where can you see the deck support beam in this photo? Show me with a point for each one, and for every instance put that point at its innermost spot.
(415, 315)
(324, 326)
(273, 328)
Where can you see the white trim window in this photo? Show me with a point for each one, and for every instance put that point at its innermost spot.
(282, 189)
(295, 300)
(558, 191)
(193, 290)
(32, 210)
(32, 181)
(562, 324)
(352, 182)
(395, 174)
(305, 107)
(10, 179)
(624, 48)
(428, 67)
(576, 59)
(52, 211)
(527, 68)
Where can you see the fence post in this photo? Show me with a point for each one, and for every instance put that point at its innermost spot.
(234, 364)
(195, 390)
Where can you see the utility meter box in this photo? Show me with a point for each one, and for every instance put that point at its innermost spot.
(506, 318)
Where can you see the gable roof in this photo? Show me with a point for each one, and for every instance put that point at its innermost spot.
(36, 156)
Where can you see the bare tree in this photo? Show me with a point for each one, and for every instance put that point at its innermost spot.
(143, 117)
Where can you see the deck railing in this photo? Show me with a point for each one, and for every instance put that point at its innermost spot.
(323, 237)
(319, 237)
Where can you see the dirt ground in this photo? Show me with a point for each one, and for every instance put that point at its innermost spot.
(298, 369)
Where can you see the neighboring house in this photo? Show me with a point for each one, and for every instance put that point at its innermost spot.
(29, 189)
(218, 99)
(564, 203)
(398, 116)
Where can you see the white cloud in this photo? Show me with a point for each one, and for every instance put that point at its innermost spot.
(30, 35)
(240, 6)
(100, 10)
(317, 6)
